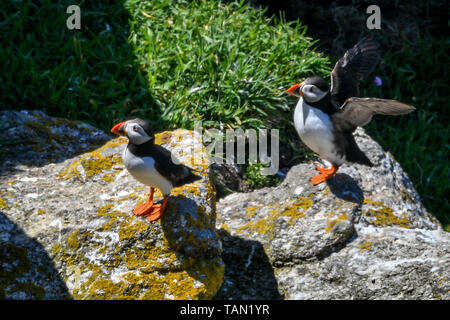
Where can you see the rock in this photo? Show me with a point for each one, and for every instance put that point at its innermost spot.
(227, 180)
(66, 227)
(362, 235)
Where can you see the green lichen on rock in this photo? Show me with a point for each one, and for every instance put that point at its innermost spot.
(152, 272)
(3, 204)
(382, 215)
(365, 245)
(95, 162)
(333, 222)
(267, 225)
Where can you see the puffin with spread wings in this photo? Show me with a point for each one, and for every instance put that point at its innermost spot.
(325, 118)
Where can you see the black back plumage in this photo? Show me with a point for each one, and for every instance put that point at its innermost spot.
(356, 63)
(177, 174)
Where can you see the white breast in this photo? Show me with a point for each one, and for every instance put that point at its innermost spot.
(143, 170)
(315, 129)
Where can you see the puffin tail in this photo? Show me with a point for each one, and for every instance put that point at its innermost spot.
(355, 154)
(188, 177)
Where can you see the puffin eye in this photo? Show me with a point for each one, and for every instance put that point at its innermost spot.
(135, 128)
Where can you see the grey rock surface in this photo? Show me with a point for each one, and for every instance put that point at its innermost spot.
(362, 235)
(66, 227)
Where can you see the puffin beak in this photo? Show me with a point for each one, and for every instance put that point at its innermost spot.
(119, 129)
(293, 88)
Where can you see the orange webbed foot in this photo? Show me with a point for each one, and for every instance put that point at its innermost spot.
(143, 209)
(146, 207)
(157, 211)
(324, 174)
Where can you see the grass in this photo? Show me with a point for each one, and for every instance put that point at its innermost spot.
(175, 62)
(255, 179)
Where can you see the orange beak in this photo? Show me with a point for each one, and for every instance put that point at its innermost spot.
(292, 90)
(118, 129)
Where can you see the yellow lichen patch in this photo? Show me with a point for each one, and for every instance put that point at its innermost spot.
(109, 177)
(267, 225)
(155, 272)
(3, 204)
(113, 214)
(56, 249)
(41, 211)
(93, 162)
(383, 215)
(177, 285)
(128, 229)
(225, 227)
(104, 210)
(365, 245)
(186, 189)
(72, 240)
(133, 196)
(251, 210)
(333, 222)
(163, 137)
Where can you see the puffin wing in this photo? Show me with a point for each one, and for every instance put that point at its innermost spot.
(359, 111)
(356, 63)
(177, 174)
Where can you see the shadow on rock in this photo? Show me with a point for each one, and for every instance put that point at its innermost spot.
(27, 271)
(248, 272)
(188, 228)
(345, 187)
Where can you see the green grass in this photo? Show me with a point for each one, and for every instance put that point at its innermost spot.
(173, 62)
(255, 179)
(417, 75)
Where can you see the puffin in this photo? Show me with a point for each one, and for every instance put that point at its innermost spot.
(152, 165)
(325, 118)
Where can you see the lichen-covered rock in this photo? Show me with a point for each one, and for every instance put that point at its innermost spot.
(66, 227)
(362, 235)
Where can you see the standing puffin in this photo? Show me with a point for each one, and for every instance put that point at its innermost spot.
(326, 119)
(151, 165)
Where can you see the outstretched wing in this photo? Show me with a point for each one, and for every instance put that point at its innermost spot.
(357, 112)
(356, 63)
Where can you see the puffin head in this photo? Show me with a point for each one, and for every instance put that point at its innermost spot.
(138, 131)
(313, 89)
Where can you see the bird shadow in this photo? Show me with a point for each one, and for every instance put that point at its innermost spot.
(188, 228)
(345, 187)
(27, 271)
(248, 271)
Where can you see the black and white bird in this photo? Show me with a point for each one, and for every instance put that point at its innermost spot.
(151, 164)
(325, 118)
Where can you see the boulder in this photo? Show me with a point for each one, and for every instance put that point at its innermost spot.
(364, 234)
(66, 223)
